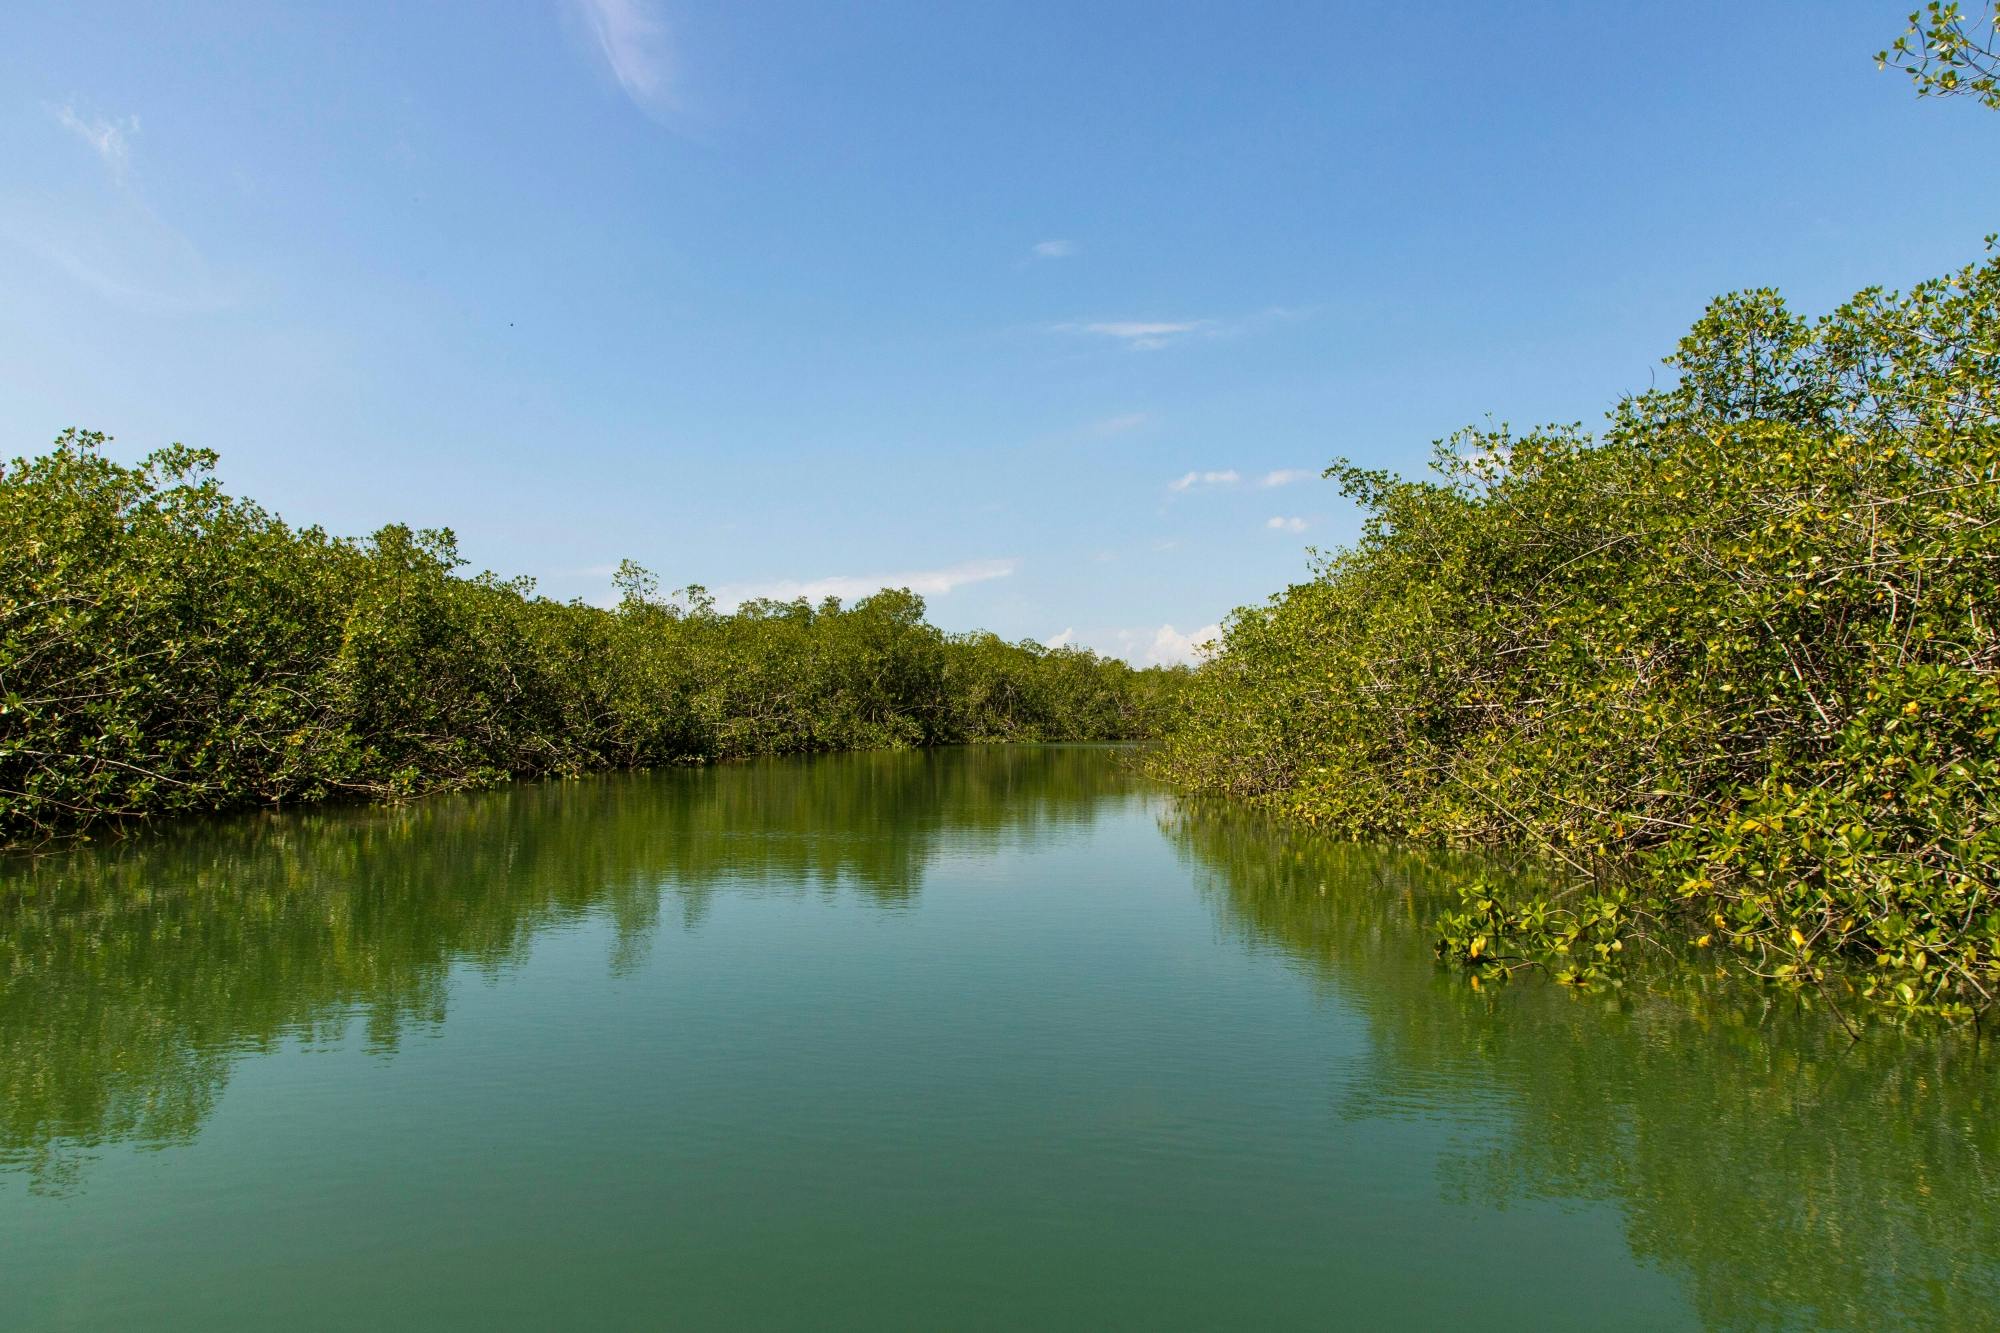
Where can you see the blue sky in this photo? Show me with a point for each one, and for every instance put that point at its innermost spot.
(1051, 310)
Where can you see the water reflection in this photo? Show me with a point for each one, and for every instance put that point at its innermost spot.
(1785, 1174)
(1794, 1176)
(134, 976)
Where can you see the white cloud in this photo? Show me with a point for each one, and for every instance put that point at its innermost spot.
(107, 137)
(116, 245)
(1054, 250)
(127, 257)
(1119, 425)
(1282, 524)
(1150, 335)
(1226, 477)
(1172, 648)
(1140, 335)
(1285, 476)
(1061, 640)
(633, 42)
(927, 582)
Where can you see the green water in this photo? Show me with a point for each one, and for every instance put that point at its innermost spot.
(969, 1039)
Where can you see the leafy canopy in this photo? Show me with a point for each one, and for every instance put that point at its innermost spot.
(1730, 669)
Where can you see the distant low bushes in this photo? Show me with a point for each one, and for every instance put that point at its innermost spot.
(1731, 667)
(167, 648)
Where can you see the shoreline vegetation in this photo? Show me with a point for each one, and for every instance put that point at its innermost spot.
(168, 649)
(1729, 669)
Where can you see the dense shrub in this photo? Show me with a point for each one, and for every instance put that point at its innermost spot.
(167, 648)
(1731, 667)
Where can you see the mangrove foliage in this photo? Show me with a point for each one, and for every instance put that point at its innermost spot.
(168, 648)
(1730, 667)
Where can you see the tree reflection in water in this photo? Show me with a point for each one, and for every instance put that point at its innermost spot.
(133, 976)
(1794, 1175)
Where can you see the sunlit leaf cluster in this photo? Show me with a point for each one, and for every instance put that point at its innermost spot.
(1945, 53)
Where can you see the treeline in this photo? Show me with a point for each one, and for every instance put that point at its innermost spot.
(168, 648)
(1731, 668)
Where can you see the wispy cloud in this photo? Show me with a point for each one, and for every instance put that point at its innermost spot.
(1139, 335)
(107, 237)
(1146, 335)
(633, 41)
(100, 277)
(1189, 480)
(1122, 424)
(106, 137)
(1279, 523)
(928, 582)
(1061, 640)
(1054, 250)
(1285, 476)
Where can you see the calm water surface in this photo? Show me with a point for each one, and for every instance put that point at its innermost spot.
(968, 1039)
